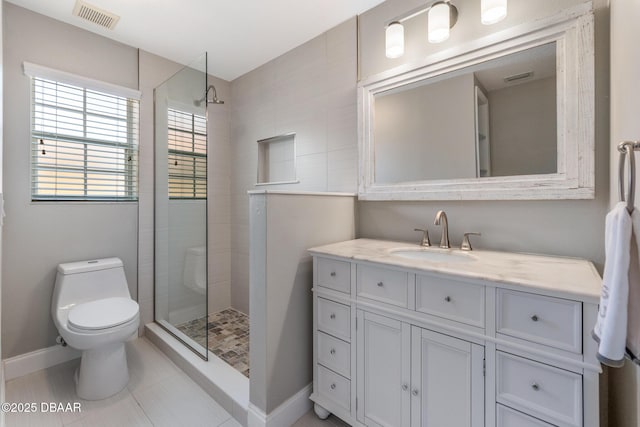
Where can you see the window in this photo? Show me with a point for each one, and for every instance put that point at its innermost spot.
(187, 155)
(84, 143)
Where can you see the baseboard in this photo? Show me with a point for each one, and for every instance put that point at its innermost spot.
(24, 364)
(284, 415)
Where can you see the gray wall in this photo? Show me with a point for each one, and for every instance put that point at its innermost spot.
(49, 233)
(38, 236)
(569, 228)
(624, 383)
(281, 281)
(427, 132)
(309, 90)
(524, 133)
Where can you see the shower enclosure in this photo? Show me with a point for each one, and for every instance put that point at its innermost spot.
(181, 205)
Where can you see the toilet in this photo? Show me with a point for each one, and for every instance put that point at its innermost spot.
(194, 274)
(93, 312)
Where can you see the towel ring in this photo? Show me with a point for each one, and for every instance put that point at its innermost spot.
(626, 149)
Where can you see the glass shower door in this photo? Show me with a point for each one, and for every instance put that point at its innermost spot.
(181, 205)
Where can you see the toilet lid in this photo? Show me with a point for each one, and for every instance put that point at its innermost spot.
(103, 313)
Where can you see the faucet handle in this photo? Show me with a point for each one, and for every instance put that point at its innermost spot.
(466, 244)
(425, 237)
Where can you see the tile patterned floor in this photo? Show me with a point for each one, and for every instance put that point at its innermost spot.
(228, 336)
(158, 394)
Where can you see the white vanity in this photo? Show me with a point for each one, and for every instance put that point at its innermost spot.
(413, 336)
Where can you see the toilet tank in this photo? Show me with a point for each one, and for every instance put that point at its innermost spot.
(194, 275)
(89, 280)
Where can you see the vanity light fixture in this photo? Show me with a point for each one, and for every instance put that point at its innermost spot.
(442, 16)
(394, 36)
(493, 11)
(440, 21)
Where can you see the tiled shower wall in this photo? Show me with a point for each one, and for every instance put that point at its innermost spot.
(310, 90)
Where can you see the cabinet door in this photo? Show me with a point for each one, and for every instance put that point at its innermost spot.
(447, 381)
(384, 360)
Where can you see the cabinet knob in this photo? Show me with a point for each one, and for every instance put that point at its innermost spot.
(415, 392)
(535, 386)
(405, 387)
(333, 351)
(380, 284)
(333, 386)
(333, 274)
(332, 316)
(447, 298)
(534, 317)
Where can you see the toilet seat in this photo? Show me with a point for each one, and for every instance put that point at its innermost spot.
(101, 314)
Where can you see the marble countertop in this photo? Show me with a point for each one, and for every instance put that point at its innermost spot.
(571, 277)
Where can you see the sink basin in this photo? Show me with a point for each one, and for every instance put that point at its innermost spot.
(433, 255)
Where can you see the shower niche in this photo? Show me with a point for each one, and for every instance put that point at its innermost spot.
(277, 160)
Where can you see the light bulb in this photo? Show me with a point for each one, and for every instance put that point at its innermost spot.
(394, 35)
(493, 11)
(439, 22)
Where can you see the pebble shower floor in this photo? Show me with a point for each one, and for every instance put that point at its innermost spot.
(228, 332)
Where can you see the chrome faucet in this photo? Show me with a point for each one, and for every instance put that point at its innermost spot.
(444, 240)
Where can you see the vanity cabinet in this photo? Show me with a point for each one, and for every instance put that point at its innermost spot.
(411, 376)
(403, 343)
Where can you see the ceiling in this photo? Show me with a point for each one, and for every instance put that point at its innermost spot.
(239, 35)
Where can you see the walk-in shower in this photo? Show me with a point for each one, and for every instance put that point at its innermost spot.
(189, 193)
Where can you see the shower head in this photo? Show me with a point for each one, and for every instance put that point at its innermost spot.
(213, 100)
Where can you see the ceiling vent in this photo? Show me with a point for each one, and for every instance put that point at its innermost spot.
(96, 15)
(517, 78)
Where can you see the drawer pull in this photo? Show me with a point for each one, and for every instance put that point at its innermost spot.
(333, 274)
(535, 386)
(333, 386)
(405, 387)
(447, 299)
(534, 318)
(333, 351)
(415, 392)
(380, 284)
(332, 316)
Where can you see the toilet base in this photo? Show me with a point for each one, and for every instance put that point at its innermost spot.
(103, 372)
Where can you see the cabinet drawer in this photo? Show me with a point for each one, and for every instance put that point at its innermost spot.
(551, 321)
(508, 417)
(451, 299)
(335, 388)
(335, 354)
(381, 284)
(334, 275)
(546, 392)
(334, 318)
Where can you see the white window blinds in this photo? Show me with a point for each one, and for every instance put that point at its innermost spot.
(84, 143)
(187, 155)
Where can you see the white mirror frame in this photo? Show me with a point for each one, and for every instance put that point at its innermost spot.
(572, 31)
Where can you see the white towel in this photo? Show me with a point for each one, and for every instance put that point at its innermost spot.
(633, 306)
(611, 326)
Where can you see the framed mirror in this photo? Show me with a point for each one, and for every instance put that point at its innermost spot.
(511, 120)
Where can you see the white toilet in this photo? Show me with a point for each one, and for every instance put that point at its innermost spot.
(93, 311)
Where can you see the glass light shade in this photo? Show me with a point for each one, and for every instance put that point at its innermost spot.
(439, 24)
(394, 35)
(493, 11)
